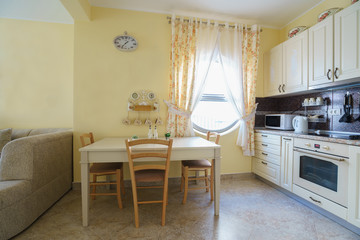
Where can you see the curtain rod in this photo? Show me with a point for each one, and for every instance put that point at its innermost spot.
(221, 24)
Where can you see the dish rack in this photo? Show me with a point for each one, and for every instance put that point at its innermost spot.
(322, 114)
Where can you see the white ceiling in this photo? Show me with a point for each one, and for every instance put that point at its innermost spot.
(268, 13)
(36, 10)
(271, 13)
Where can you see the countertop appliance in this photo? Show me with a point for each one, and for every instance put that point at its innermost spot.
(279, 121)
(300, 124)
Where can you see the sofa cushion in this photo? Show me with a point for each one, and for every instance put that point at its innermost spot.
(13, 191)
(5, 137)
(19, 133)
(39, 131)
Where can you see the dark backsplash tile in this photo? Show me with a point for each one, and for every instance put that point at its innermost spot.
(334, 98)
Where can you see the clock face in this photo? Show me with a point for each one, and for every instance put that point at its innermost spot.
(125, 43)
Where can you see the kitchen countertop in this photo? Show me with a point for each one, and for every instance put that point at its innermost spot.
(312, 137)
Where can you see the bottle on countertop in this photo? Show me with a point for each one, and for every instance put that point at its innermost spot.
(156, 135)
(150, 135)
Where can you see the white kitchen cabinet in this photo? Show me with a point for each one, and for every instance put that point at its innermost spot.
(266, 162)
(286, 165)
(354, 186)
(273, 71)
(295, 63)
(321, 52)
(286, 67)
(346, 43)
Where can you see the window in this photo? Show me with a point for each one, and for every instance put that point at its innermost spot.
(214, 112)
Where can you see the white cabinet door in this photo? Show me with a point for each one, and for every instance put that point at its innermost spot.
(295, 68)
(286, 165)
(273, 71)
(321, 52)
(347, 47)
(354, 186)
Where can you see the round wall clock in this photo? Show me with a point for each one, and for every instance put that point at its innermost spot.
(125, 43)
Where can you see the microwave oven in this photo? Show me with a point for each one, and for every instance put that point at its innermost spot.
(279, 121)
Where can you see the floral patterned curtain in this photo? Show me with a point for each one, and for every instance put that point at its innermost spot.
(250, 50)
(185, 35)
(182, 75)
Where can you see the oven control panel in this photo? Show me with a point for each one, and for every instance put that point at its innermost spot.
(322, 146)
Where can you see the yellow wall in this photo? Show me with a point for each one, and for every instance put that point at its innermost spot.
(36, 74)
(105, 77)
(309, 19)
(269, 39)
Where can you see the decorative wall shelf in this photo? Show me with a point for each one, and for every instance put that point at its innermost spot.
(142, 105)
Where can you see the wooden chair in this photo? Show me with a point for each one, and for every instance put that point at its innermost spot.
(149, 173)
(196, 166)
(104, 169)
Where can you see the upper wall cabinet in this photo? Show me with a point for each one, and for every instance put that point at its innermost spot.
(273, 71)
(321, 52)
(295, 63)
(334, 50)
(333, 56)
(286, 67)
(347, 43)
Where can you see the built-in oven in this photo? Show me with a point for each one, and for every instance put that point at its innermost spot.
(322, 168)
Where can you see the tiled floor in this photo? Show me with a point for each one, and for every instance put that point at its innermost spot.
(249, 209)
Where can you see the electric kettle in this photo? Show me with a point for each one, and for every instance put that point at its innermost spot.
(300, 124)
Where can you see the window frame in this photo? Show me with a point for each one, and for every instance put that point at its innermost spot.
(215, 98)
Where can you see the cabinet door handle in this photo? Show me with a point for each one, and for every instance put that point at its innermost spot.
(335, 73)
(279, 88)
(317, 201)
(327, 74)
(264, 163)
(288, 139)
(265, 145)
(264, 135)
(283, 87)
(265, 154)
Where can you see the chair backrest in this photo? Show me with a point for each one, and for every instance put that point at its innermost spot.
(87, 139)
(211, 135)
(132, 155)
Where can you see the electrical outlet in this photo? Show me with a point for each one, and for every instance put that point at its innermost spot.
(334, 112)
(337, 112)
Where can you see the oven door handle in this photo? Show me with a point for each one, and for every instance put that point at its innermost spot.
(339, 159)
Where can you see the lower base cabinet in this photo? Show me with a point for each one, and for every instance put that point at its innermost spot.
(267, 170)
(354, 186)
(286, 164)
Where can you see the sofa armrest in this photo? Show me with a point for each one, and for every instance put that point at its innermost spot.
(16, 162)
(40, 158)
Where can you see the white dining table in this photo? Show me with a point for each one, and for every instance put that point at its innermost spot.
(114, 150)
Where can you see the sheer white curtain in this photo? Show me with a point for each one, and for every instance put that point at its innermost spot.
(206, 44)
(233, 47)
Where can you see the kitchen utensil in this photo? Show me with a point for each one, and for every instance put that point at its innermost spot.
(300, 124)
(348, 106)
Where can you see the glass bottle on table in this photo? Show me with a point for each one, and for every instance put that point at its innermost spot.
(156, 135)
(150, 135)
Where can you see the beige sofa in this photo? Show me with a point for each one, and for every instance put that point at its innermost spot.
(35, 172)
